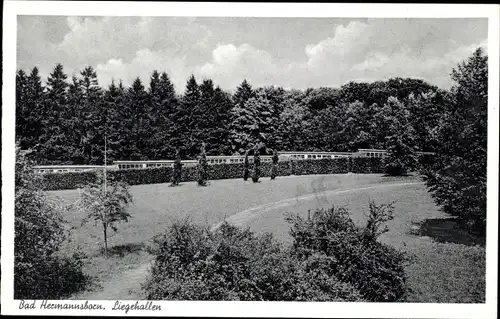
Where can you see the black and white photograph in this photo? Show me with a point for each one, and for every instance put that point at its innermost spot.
(294, 160)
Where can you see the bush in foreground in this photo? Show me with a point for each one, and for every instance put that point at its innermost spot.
(354, 254)
(40, 272)
(330, 260)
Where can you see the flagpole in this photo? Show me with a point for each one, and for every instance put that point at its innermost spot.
(105, 161)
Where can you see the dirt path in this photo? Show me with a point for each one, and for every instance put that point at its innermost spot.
(127, 285)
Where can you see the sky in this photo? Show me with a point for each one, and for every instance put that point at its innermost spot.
(288, 52)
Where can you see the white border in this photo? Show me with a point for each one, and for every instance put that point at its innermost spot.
(255, 309)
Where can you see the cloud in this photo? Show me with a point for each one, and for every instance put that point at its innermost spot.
(142, 65)
(328, 52)
(231, 64)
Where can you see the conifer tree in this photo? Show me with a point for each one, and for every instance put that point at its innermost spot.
(35, 112)
(185, 119)
(202, 166)
(22, 110)
(113, 101)
(155, 117)
(222, 106)
(246, 167)
(135, 122)
(206, 116)
(176, 175)
(256, 164)
(75, 122)
(94, 117)
(274, 168)
(243, 93)
(53, 139)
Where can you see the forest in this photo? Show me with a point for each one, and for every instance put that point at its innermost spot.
(66, 121)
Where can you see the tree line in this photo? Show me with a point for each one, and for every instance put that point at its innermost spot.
(67, 121)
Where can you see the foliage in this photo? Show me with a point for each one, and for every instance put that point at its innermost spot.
(105, 204)
(351, 252)
(230, 263)
(400, 139)
(256, 164)
(202, 167)
(40, 272)
(274, 169)
(176, 175)
(457, 176)
(246, 167)
(151, 123)
(330, 260)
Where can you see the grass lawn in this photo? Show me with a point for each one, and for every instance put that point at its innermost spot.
(448, 265)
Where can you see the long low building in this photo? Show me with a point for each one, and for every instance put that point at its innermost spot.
(214, 160)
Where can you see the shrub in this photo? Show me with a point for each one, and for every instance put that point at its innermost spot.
(331, 259)
(193, 263)
(39, 272)
(352, 253)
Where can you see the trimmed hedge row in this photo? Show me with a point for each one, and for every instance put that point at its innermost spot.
(58, 181)
(320, 166)
(366, 165)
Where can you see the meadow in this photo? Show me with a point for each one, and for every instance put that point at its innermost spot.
(448, 265)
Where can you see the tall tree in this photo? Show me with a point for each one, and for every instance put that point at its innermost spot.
(22, 110)
(35, 107)
(168, 103)
(293, 121)
(400, 139)
(185, 119)
(359, 125)
(219, 138)
(135, 122)
(94, 117)
(457, 179)
(54, 130)
(113, 101)
(243, 93)
(206, 116)
(75, 122)
(156, 117)
(251, 123)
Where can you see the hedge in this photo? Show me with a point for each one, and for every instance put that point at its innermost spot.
(366, 165)
(59, 181)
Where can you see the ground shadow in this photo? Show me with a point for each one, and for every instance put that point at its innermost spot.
(122, 250)
(449, 230)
